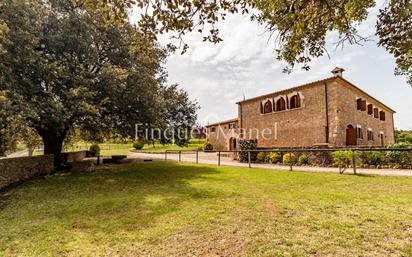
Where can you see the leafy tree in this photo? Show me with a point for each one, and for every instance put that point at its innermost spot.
(300, 26)
(180, 115)
(403, 136)
(394, 28)
(30, 138)
(65, 68)
(8, 125)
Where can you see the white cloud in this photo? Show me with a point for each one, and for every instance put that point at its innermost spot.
(244, 63)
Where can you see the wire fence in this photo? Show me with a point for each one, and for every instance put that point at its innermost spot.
(323, 156)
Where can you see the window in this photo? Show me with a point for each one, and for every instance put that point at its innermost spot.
(358, 104)
(370, 109)
(212, 129)
(268, 107)
(232, 126)
(370, 135)
(382, 115)
(295, 102)
(359, 132)
(363, 107)
(375, 112)
(280, 104)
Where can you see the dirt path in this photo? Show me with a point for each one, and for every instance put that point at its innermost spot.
(211, 158)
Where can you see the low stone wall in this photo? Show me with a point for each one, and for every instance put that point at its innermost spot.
(14, 170)
(74, 156)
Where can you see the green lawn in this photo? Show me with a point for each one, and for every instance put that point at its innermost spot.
(109, 149)
(193, 145)
(170, 209)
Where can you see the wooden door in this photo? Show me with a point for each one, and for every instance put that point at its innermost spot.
(350, 135)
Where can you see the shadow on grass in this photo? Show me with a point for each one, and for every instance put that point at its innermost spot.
(113, 197)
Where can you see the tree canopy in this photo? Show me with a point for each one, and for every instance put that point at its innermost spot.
(63, 67)
(299, 26)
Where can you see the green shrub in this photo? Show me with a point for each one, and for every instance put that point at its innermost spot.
(247, 145)
(207, 146)
(94, 150)
(138, 145)
(261, 157)
(289, 158)
(372, 158)
(342, 159)
(274, 157)
(303, 159)
(401, 158)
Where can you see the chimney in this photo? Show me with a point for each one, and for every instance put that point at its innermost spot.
(338, 72)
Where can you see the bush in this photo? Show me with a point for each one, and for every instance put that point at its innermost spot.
(303, 159)
(289, 158)
(401, 158)
(247, 145)
(261, 157)
(138, 145)
(207, 146)
(372, 158)
(274, 157)
(94, 150)
(342, 159)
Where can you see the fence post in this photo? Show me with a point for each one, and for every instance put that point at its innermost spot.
(165, 155)
(98, 159)
(248, 158)
(354, 162)
(180, 156)
(197, 156)
(218, 158)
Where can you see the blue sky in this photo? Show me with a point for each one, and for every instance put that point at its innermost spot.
(244, 64)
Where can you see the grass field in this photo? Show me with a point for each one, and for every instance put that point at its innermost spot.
(109, 149)
(193, 144)
(170, 209)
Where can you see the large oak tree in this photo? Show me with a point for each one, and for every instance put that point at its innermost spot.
(63, 67)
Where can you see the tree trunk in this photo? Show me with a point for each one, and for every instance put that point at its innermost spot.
(53, 144)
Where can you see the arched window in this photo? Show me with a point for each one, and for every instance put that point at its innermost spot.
(267, 107)
(295, 102)
(280, 104)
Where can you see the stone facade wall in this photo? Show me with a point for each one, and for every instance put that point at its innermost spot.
(347, 114)
(300, 127)
(14, 170)
(306, 126)
(221, 137)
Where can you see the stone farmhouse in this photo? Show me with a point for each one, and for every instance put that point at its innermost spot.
(331, 112)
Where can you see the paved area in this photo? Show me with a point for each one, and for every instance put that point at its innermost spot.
(211, 158)
(20, 153)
